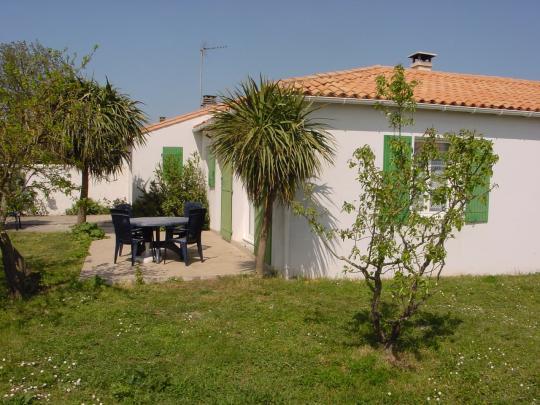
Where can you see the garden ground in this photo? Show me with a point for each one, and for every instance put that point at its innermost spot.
(243, 339)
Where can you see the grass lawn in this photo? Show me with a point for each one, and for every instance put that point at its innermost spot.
(244, 340)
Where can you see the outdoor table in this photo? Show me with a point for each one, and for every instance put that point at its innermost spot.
(154, 224)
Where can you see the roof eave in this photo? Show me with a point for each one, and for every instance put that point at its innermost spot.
(427, 106)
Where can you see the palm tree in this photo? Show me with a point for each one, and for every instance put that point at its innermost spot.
(266, 135)
(103, 126)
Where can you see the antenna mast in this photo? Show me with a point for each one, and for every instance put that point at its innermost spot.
(204, 49)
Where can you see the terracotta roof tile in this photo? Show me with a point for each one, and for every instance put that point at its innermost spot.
(178, 119)
(434, 87)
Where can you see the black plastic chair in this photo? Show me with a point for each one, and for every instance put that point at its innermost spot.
(125, 207)
(126, 235)
(129, 210)
(188, 206)
(190, 235)
(191, 205)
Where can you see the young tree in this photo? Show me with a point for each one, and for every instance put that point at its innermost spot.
(265, 133)
(34, 93)
(102, 127)
(405, 213)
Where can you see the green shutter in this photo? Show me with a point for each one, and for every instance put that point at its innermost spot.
(173, 152)
(477, 209)
(388, 157)
(259, 215)
(389, 165)
(211, 161)
(226, 202)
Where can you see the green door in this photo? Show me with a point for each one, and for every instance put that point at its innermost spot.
(226, 202)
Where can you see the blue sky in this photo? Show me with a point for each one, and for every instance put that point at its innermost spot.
(150, 49)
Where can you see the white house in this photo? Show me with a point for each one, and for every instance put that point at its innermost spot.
(507, 111)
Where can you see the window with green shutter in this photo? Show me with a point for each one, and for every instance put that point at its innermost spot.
(211, 162)
(477, 209)
(173, 153)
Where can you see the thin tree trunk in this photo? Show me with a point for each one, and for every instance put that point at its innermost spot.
(263, 237)
(376, 311)
(83, 201)
(17, 274)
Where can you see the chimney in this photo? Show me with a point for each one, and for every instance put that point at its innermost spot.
(161, 119)
(208, 100)
(422, 60)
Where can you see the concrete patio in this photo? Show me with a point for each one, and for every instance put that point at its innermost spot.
(220, 259)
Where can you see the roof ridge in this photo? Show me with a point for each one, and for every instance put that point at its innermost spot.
(333, 72)
(422, 72)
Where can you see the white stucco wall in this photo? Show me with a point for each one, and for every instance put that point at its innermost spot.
(508, 243)
(146, 158)
(108, 189)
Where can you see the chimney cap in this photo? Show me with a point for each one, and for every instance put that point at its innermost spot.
(422, 60)
(208, 99)
(422, 55)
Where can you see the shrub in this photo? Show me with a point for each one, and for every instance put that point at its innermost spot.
(88, 230)
(92, 207)
(150, 201)
(173, 186)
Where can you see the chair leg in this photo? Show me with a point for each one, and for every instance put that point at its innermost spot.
(153, 247)
(133, 252)
(164, 253)
(117, 247)
(120, 251)
(183, 246)
(199, 248)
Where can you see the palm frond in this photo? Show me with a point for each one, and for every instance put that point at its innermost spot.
(266, 133)
(102, 128)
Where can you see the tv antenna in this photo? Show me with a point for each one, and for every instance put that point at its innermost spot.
(204, 49)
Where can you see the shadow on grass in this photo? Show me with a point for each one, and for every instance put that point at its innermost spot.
(425, 330)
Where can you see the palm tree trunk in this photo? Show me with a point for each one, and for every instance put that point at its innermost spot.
(83, 201)
(263, 237)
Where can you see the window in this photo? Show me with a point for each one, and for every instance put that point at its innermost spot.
(476, 210)
(436, 168)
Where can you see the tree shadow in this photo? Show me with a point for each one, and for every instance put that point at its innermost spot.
(316, 257)
(426, 330)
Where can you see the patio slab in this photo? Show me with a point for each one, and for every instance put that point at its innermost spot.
(221, 258)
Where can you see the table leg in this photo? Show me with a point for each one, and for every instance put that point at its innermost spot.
(146, 256)
(158, 245)
(166, 244)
